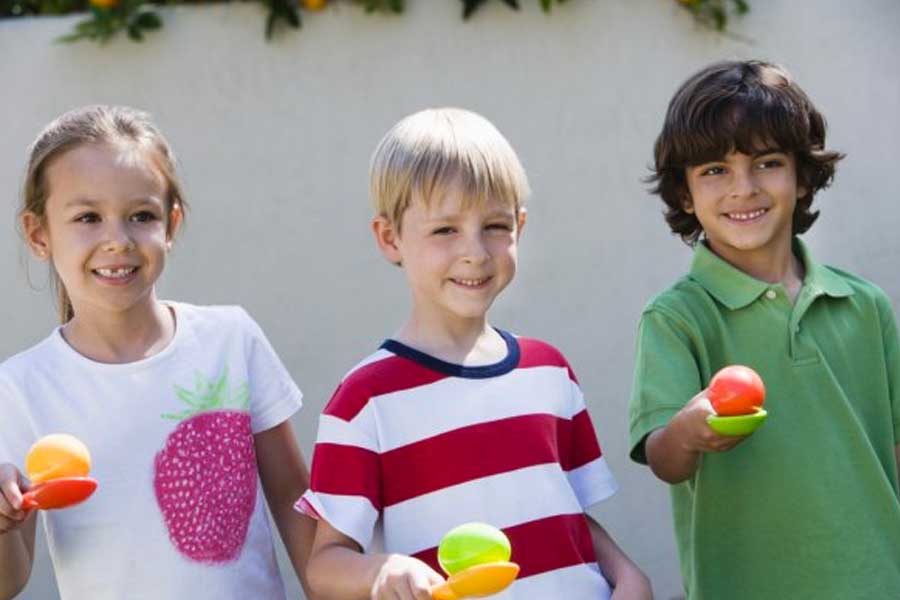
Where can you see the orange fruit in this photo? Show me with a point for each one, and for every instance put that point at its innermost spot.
(314, 4)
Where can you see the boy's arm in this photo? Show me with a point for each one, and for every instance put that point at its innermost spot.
(627, 580)
(673, 452)
(897, 454)
(284, 478)
(16, 535)
(338, 570)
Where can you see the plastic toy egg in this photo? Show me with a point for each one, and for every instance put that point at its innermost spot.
(472, 544)
(57, 455)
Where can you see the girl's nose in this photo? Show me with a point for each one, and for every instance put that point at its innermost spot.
(118, 239)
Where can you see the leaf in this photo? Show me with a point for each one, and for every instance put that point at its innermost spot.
(148, 21)
(546, 5)
(470, 6)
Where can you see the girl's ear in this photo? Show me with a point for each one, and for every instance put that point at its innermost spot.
(520, 221)
(36, 235)
(176, 215)
(387, 238)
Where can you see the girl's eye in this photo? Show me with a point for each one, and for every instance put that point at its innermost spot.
(143, 217)
(87, 218)
(500, 227)
(443, 231)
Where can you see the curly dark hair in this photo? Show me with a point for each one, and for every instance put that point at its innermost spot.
(742, 106)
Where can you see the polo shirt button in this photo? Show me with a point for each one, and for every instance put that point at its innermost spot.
(771, 295)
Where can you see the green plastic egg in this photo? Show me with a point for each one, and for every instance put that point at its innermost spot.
(472, 544)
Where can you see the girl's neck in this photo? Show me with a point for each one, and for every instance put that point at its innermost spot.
(469, 342)
(121, 337)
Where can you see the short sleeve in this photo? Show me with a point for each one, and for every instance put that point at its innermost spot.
(345, 483)
(16, 436)
(582, 458)
(274, 396)
(891, 358)
(666, 376)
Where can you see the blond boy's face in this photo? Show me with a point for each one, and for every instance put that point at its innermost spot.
(457, 258)
(745, 203)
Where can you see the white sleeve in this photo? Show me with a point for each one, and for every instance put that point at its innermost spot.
(16, 434)
(274, 396)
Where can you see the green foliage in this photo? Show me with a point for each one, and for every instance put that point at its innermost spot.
(714, 13)
(137, 17)
(130, 16)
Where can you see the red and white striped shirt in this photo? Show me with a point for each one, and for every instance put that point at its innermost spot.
(427, 445)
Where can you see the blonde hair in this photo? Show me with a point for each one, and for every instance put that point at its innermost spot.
(435, 149)
(94, 125)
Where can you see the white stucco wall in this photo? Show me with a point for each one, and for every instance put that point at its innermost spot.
(274, 140)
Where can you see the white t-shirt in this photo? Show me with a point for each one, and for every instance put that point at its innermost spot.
(178, 512)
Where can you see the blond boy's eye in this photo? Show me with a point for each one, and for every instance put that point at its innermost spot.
(90, 217)
(500, 226)
(443, 230)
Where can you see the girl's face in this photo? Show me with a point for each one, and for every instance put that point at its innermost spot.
(105, 227)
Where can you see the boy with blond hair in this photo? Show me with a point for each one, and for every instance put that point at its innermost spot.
(807, 506)
(452, 420)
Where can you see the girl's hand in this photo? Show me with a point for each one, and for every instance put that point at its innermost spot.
(11, 486)
(404, 578)
(695, 434)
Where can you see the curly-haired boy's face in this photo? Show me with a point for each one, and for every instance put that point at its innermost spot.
(745, 203)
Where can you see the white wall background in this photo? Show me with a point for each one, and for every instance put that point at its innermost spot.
(274, 140)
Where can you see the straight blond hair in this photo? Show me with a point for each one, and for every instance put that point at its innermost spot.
(433, 150)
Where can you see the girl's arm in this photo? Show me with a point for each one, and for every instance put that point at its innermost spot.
(285, 478)
(338, 570)
(16, 534)
(627, 580)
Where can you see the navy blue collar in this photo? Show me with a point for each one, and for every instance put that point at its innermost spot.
(509, 362)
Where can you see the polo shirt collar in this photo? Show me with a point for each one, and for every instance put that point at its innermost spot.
(735, 289)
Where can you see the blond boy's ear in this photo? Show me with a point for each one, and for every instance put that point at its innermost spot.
(386, 237)
(520, 221)
(36, 235)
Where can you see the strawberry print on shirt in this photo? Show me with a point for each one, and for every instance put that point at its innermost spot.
(205, 474)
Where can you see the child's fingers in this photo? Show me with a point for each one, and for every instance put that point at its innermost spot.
(10, 486)
(10, 517)
(420, 585)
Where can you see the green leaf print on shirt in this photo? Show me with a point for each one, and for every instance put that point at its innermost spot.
(210, 395)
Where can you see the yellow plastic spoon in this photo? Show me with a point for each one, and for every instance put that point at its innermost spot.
(477, 581)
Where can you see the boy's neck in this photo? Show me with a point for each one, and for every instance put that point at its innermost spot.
(469, 343)
(121, 337)
(772, 265)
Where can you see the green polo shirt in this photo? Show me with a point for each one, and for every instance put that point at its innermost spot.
(807, 507)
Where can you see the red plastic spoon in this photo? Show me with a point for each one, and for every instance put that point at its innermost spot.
(59, 493)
